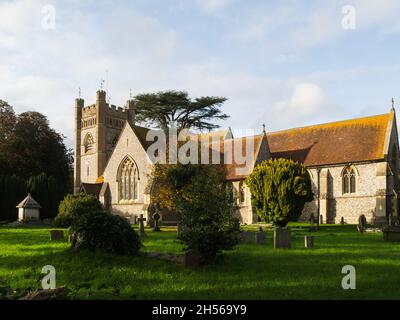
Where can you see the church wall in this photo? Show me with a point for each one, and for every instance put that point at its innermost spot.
(128, 145)
(335, 204)
(244, 210)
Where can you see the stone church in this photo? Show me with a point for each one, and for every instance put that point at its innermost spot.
(353, 164)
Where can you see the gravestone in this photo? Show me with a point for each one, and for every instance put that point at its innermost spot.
(191, 259)
(312, 227)
(362, 223)
(321, 219)
(260, 236)
(342, 221)
(141, 226)
(282, 238)
(247, 237)
(391, 233)
(308, 242)
(56, 235)
(156, 218)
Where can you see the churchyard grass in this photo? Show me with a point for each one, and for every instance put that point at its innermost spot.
(249, 272)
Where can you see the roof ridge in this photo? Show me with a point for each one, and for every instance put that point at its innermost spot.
(329, 123)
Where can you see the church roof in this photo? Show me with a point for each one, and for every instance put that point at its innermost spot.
(141, 133)
(225, 133)
(348, 141)
(29, 202)
(91, 188)
(232, 168)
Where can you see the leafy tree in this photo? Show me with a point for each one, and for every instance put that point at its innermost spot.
(32, 151)
(12, 191)
(174, 109)
(7, 124)
(35, 148)
(280, 188)
(204, 204)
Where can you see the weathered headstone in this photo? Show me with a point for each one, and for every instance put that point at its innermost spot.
(321, 219)
(342, 221)
(156, 218)
(260, 236)
(391, 233)
(247, 237)
(56, 235)
(282, 238)
(192, 259)
(312, 221)
(309, 242)
(141, 226)
(362, 223)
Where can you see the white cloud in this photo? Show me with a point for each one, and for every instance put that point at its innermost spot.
(211, 6)
(307, 100)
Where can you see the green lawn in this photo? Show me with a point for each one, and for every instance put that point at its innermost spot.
(248, 272)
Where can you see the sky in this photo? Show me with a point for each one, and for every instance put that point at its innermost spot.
(283, 63)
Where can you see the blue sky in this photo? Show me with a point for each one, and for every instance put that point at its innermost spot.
(285, 63)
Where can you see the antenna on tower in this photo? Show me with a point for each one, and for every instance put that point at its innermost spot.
(101, 84)
(130, 94)
(79, 92)
(108, 97)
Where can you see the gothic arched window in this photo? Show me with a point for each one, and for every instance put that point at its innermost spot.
(349, 180)
(128, 177)
(88, 142)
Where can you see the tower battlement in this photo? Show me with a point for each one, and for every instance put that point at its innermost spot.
(97, 128)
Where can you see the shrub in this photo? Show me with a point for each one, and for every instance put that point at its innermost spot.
(280, 188)
(204, 205)
(99, 230)
(75, 205)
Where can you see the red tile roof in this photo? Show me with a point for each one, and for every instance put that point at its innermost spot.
(346, 141)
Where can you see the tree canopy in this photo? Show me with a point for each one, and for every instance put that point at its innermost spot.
(174, 109)
(280, 188)
(33, 158)
(31, 147)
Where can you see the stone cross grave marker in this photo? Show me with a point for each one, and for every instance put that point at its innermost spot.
(156, 218)
(141, 226)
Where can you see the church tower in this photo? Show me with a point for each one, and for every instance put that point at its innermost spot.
(97, 128)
